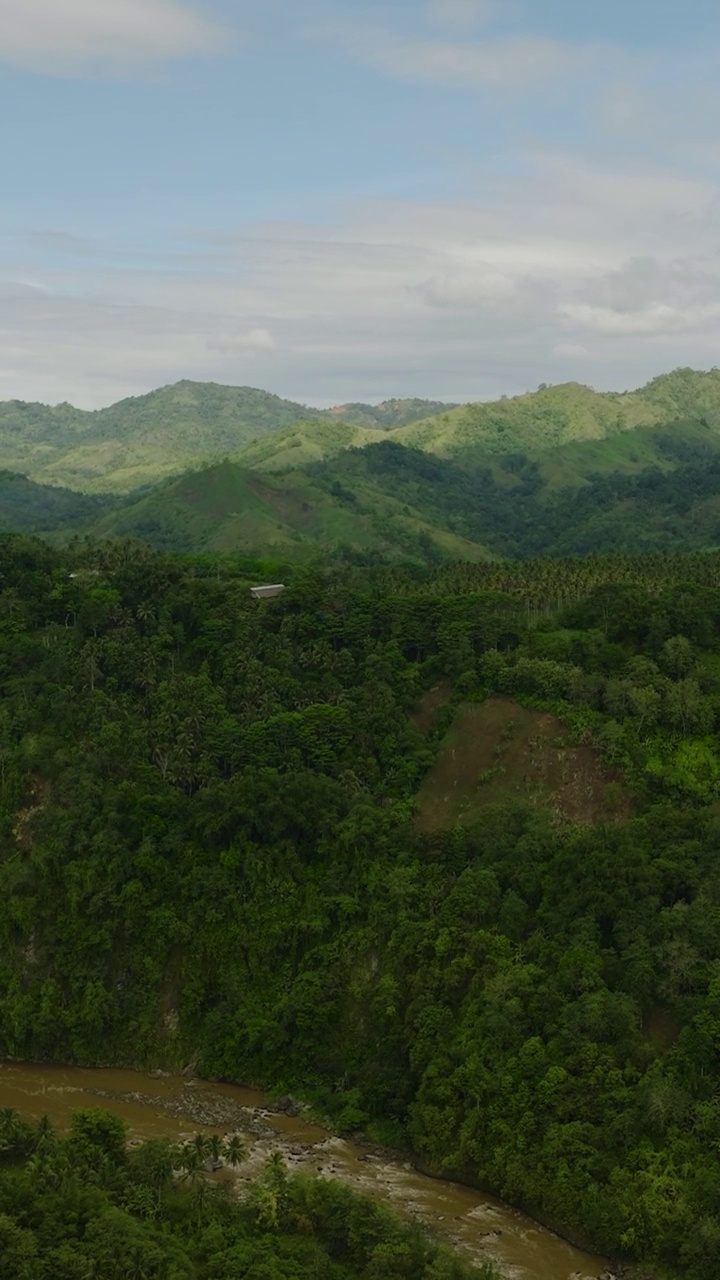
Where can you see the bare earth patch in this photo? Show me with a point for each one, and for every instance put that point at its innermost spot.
(497, 750)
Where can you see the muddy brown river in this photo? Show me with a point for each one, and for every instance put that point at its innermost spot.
(172, 1106)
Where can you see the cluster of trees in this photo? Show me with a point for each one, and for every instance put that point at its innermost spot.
(207, 811)
(90, 1206)
(519, 508)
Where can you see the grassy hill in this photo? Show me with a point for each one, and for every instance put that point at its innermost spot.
(303, 443)
(143, 439)
(553, 416)
(227, 508)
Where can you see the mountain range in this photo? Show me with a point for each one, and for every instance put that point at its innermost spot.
(203, 467)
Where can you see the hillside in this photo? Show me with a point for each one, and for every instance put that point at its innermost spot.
(143, 439)
(26, 507)
(140, 440)
(295, 446)
(227, 508)
(554, 416)
(259, 838)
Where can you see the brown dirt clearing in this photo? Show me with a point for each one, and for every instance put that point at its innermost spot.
(497, 750)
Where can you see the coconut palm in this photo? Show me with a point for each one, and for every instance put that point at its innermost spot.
(234, 1150)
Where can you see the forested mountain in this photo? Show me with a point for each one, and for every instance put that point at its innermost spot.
(140, 440)
(227, 837)
(144, 439)
(558, 415)
(650, 489)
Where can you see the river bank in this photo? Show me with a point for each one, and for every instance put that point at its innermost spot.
(174, 1106)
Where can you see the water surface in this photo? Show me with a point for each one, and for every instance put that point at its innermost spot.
(172, 1106)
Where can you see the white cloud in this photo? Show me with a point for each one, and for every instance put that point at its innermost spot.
(71, 36)
(254, 342)
(507, 62)
(461, 14)
(571, 351)
(458, 301)
(656, 318)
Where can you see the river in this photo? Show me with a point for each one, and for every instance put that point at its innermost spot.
(161, 1105)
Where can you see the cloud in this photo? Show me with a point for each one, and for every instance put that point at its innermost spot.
(568, 261)
(502, 62)
(76, 36)
(255, 342)
(461, 14)
(571, 351)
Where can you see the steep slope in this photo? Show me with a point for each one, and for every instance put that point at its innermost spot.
(26, 507)
(228, 508)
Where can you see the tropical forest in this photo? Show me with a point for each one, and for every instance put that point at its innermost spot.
(423, 845)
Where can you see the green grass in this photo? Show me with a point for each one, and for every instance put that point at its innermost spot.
(302, 443)
(229, 508)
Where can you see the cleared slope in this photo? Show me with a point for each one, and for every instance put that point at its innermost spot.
(226, 508)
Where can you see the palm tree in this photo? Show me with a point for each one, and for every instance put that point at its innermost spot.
(234, 1151)
(44, 1134)
(215, 1148)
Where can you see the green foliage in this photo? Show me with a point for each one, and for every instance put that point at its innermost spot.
(209, 851)
(138, 1217)
(141, 440)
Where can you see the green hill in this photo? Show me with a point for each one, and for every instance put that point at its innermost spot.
(26, 507)
(140, 440)
(388, 414)
(303, 443)
(229, 508)
(143, 439)
(554, 416)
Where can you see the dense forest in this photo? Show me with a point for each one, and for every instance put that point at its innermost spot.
(92, 1206)
(210, 852)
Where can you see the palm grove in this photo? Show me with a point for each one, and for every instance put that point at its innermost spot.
(209, 806)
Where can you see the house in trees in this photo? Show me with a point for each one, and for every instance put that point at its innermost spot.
(267, 593)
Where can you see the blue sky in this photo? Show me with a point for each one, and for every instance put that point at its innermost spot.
(340, 200)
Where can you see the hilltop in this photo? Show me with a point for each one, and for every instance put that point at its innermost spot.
(568, 413)
(144, 439)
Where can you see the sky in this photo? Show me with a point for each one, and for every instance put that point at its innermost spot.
(338, 200)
